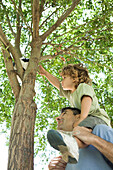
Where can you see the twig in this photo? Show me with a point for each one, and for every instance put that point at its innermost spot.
(41, 7)
(48, 18)
(4, 7)
(60, 20)
(21, 16)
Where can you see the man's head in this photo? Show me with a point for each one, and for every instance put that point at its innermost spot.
(77, 72)
(67, 118)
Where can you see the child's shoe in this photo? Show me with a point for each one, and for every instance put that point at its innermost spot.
(65, 143)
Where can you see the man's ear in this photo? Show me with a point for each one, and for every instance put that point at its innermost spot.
(78, 116)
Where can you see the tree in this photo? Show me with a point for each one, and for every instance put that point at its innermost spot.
(51, 33)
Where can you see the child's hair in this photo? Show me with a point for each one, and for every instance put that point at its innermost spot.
(76, 71)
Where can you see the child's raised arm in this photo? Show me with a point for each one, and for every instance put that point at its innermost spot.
(52, 79)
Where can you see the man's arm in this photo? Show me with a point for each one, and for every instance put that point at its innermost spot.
(105, 147)
(52, 79)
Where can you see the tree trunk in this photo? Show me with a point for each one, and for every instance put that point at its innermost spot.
(21, 148)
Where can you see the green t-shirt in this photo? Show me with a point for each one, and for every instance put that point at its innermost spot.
(75, 100)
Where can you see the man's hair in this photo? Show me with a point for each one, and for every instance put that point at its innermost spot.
(76, 71)
(76, 111)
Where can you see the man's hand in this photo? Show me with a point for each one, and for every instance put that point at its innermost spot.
(83, 134)
(57, 163)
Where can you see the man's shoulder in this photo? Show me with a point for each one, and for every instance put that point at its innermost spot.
(104, 132)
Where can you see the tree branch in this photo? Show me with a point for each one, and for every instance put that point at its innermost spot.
(11, 73)
(60, 20)
(48, 57)
(65, 51)
(43, 49)
(48, 18)
(12, 50)
(41, 7)
(36, 18)
(96, 63)
(4, 7)
(18, 34)
(20, 13)
(68, 32)
(100, 18)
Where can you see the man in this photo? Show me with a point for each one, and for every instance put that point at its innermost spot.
(89, 158)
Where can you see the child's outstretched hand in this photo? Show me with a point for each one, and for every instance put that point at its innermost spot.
(41, 70)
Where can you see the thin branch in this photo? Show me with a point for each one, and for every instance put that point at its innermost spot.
(90, 31)
(65, 51)
(18, 34)
(12, 50)
(47, 7)
(4, 7)
(96, 63)
(48, 57)
(36, 18)
(83, 38)
(101, 18)
(41, 7)
(48, 17)
(11, 73)
(43, 49)
(21, 14)
(60, 20)
(68, 32)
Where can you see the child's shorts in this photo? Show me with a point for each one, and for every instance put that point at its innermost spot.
(91, 122)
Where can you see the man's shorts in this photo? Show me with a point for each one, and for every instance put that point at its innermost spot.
(91, 122)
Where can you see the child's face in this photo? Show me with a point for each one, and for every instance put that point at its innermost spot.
(68, 83)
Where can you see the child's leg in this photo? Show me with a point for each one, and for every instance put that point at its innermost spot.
(65, 143)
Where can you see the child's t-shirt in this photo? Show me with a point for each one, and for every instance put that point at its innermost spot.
(75, 100)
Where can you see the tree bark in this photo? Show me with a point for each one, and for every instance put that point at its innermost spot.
(21, 148)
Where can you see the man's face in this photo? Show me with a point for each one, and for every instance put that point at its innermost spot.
(66, 120)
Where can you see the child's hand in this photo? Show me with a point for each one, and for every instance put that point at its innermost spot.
(42, 71)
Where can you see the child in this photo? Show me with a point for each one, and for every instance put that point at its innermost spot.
(76, 87)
